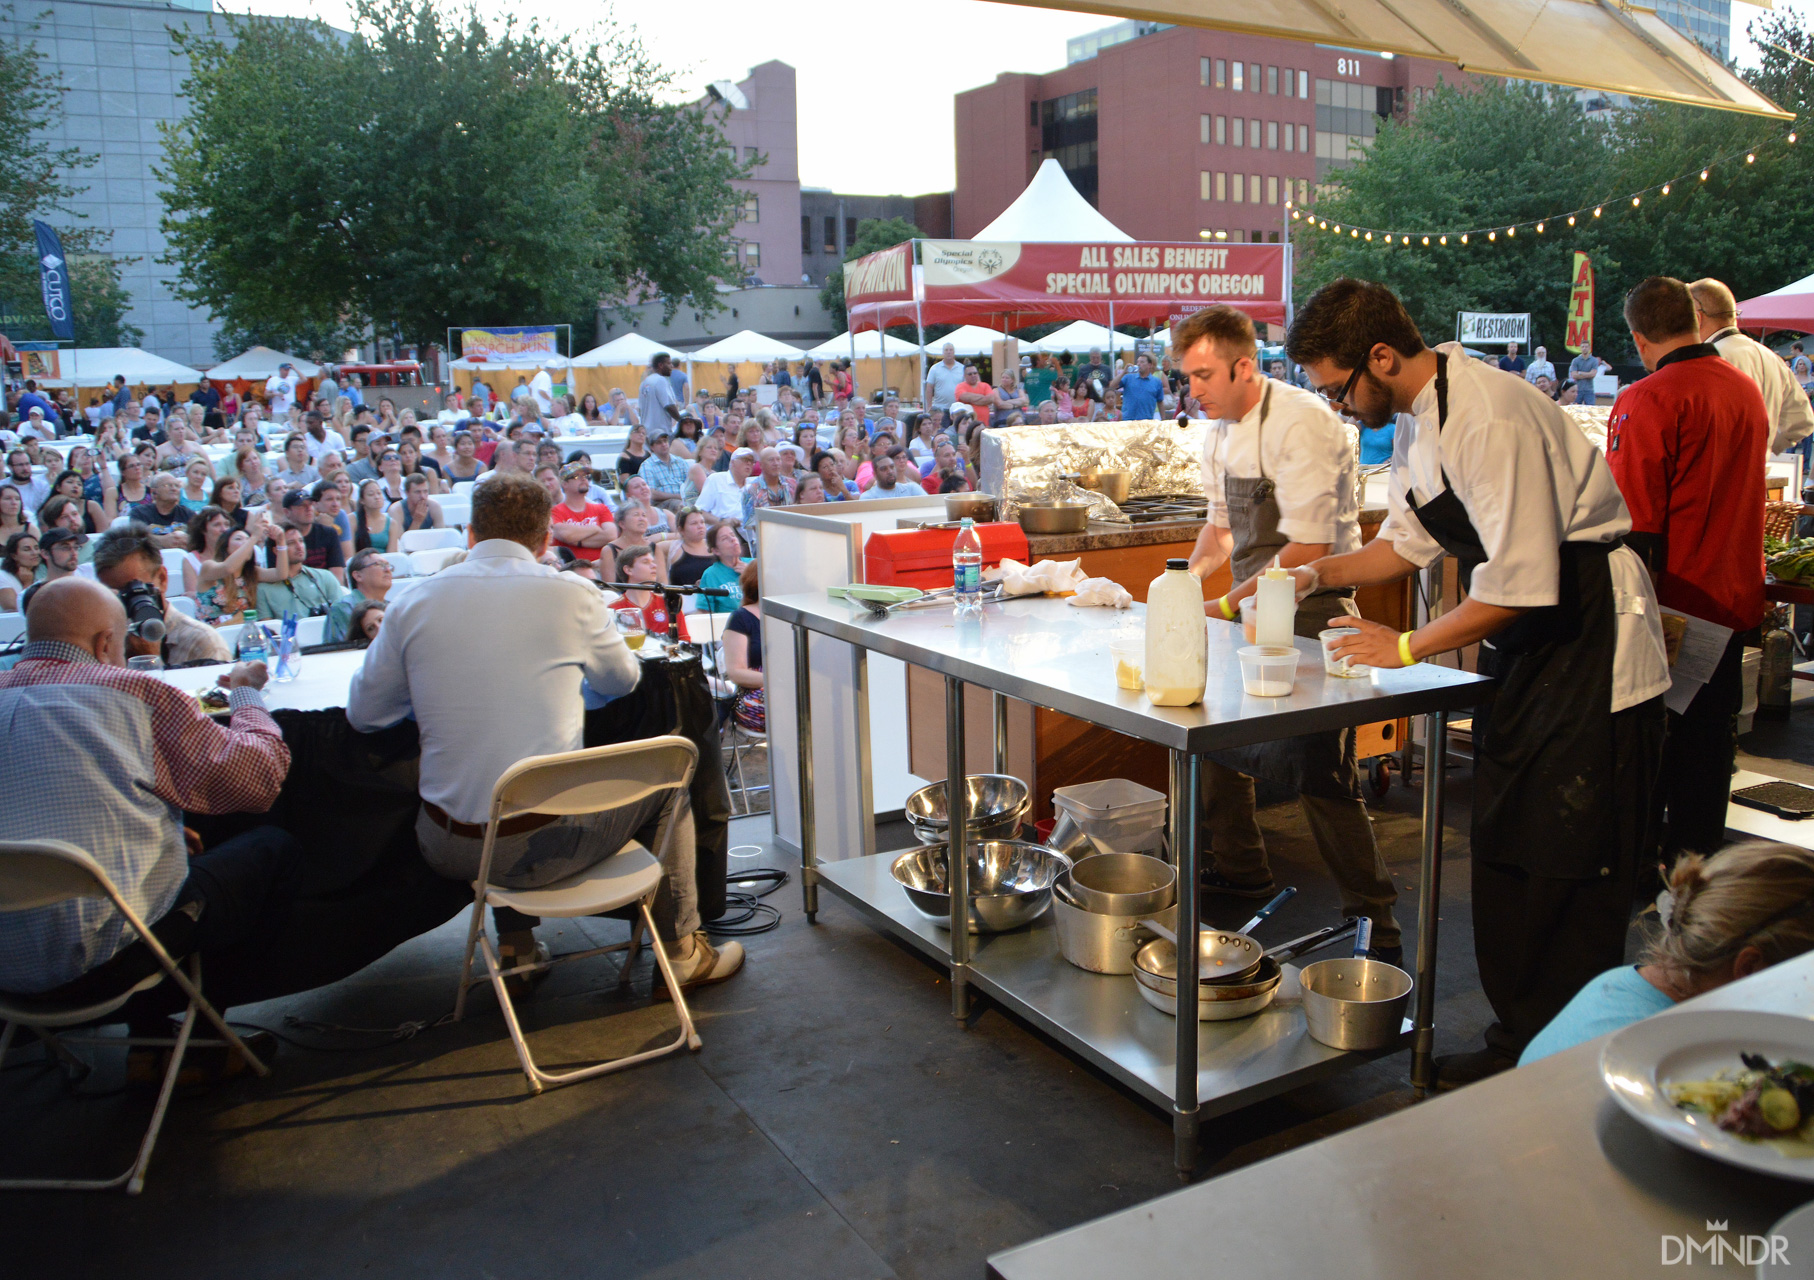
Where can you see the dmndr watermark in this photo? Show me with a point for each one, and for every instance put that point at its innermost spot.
(1719, 1248)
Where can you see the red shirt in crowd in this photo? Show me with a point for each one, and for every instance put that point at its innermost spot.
(1686, 446)
(654, 613)
(593, 513)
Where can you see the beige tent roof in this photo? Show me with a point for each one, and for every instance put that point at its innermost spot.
(1590, 44)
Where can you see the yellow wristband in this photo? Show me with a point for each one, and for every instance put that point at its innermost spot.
(1404, 650)
(1227, 612)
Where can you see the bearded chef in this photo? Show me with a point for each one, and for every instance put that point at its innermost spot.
(1279, 475)
(1487, 470)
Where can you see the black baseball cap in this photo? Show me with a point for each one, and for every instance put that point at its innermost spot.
(57, 537)
(296, 497)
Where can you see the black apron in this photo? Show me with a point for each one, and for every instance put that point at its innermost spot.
(1544, 740)
(1318, 764)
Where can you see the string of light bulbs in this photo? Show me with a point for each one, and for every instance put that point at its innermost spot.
(1568, 217)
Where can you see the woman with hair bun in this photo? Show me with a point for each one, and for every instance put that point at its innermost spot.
(1722, 918)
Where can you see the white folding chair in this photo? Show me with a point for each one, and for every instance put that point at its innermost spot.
(424, 564)
(461, 488)
(431, 540)
(457, 513)
(580, 782)
(311, 630)
(173, 565)
(183, 604)
(42, 873)
(399, 563)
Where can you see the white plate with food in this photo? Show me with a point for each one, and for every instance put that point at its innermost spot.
(1734, 1085)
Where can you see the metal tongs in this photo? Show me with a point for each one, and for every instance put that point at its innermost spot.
(879, 610)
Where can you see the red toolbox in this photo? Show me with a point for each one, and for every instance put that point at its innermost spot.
(922, 557)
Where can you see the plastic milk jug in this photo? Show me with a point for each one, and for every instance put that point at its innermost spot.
(1177, 638)
(1276, 607)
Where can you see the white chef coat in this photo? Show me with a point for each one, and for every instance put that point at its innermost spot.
(1791, 417)
(1530, 481)
(1308, 454)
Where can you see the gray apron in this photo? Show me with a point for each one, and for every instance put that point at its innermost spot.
(1318, 764)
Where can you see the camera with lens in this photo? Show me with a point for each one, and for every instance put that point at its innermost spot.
(144, 611)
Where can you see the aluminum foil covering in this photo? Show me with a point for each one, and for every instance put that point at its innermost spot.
(1027, 464)
(1591, 418)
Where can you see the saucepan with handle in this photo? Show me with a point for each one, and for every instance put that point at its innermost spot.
(1156, 969)
(1355, 1003)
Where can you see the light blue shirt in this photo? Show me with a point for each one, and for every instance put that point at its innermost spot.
(485, 694)
(1615, 999)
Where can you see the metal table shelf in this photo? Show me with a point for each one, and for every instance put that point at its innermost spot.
(1045, 652)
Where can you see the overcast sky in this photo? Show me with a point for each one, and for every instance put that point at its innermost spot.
(875, 81)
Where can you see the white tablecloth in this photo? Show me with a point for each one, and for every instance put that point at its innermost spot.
(321, 685)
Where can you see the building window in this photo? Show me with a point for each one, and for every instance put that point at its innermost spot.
(1234, 187)
(806, 233)
(1303, 84)
(1272, 190)
(1273, 236)
(1237, 86)
(1068, 135)
(1203, 176)
(1221, 73)
(1253, 134)
(1272, 80)
(1290, 135)
(1203, 130)
(1347, 118)
(1303, 191)
(1290, 81)
(1240, 127)
(1033, 114)
(831, 234)
(1272, 135)
(1256, 237)
(1221, 186)
(1253, 188)
(752, 254)
(752, 209)
(1203, 71)
(750, 154)
(1253, 77)
(850, 234)
(1221, 130)
(1303, 137)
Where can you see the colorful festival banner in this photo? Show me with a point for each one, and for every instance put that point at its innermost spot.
(509, 342)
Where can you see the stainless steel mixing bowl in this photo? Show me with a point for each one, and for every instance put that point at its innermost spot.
(998, 804)
(1010, 883)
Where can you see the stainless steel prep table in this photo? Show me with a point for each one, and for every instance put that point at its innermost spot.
(1536, 1172)
(1051, 654)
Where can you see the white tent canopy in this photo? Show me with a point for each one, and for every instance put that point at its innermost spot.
(870, 345)
(631, 348)
(971, 340)
(1081, 335)
(260, 363)
(746, 345)
(96, 366)
(510, 362)
(1050, 210)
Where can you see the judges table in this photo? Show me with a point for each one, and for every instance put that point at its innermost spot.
(320, 686)
(1536, 1172)
(1048, 653)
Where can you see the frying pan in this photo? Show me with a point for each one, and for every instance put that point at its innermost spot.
(1223, 956)
(1156, 967)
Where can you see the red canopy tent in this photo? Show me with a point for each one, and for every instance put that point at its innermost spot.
(1790, 307)
(1051, 257)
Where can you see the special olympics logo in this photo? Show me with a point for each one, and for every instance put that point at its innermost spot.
(989, 260)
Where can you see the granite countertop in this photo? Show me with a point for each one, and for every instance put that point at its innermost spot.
(1105, 535)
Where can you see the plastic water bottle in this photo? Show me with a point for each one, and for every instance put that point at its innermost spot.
(251, 645)
(967, 571)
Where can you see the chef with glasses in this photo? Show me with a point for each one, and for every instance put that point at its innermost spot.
(1487, 470)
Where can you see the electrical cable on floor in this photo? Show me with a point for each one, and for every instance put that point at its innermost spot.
(745, 914)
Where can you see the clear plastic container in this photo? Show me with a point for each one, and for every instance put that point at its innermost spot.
(1129, 654)
(1267, 670)
(1248, 627)
(1117, 815)
(1335, 666)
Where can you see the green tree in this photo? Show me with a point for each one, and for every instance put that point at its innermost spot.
(873, 235)
(1471, 158)
(429, 172)
(35, 180)
(310, 341)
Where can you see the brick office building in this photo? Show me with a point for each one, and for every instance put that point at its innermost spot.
(1181, 131)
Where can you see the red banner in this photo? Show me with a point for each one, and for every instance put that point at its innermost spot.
(1015, 284)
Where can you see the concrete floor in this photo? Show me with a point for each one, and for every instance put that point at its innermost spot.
(837, 1123)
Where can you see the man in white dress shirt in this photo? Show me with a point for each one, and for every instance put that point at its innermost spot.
(478, 716)
(1569, 741)
(1716, 312)
(1279, 476)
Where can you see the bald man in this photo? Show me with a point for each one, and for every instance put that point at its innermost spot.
(1786, 404)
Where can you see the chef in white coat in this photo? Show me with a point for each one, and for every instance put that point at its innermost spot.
(1279, 477)
(1486, 470)
(1791, 416)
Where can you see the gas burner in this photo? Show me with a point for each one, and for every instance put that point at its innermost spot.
(1166, 506)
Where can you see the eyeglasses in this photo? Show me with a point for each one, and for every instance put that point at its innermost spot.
(1340, 399)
